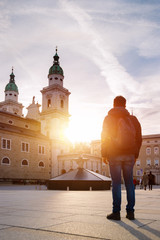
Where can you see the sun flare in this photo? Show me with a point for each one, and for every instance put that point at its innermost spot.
(82, 130)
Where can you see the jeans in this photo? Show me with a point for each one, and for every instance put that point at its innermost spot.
(125, 164)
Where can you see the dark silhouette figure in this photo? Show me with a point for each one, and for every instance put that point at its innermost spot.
(150, 180)
(145, 180)
(120, 144)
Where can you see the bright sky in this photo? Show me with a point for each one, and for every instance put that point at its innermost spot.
(106, 48)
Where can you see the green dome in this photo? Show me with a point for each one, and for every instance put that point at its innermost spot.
(56, 69)
(11, 86)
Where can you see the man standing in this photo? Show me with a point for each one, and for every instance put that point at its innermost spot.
(145, 180)
(120, 144)
(150, 180)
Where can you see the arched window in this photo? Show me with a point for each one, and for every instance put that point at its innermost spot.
(41, 164)
(148, 151)
(148, 162)
(5, 161)
(62, 103)
(49, 102)
(156, 161)
(25, 162)
(138, 163)
(156, 150)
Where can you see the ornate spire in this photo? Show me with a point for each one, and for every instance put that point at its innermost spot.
(56, 58)
(56, 68)
(11, 86)
(12, 76)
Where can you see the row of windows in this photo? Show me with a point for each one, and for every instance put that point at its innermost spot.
(148, 150)
(49, 103)
(148, 162)
(25, 147)
(156, 141)
(56, 79)
(11, 94)
(24, 162)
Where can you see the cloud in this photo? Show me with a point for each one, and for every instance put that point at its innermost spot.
(126, 29)
(116, 76)
(106, 48)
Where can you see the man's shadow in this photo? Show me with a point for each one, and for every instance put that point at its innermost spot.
(136, 232)
(147, 227)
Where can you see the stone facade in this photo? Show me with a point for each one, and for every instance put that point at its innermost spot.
(149, 157)
(30, 145)
(148, 160)
(24, 151)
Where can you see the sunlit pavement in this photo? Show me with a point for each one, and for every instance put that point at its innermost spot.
(34, 213)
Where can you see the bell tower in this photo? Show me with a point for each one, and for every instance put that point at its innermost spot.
(54, 114)
(11, 104)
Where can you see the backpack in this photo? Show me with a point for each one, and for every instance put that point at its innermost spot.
(126, 134)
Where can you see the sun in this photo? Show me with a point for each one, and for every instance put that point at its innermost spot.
(82, 130)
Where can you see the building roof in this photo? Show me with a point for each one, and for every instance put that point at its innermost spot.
(81, 174)
(11, 86)
(79, 179)
(9, 114)
(55, 68)
(34, 129)
(22, 131)
(151, 136)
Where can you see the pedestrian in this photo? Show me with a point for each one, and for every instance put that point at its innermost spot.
(145, 180)
(120, 144)
(150, 180)
(134, 182)
(140, 183)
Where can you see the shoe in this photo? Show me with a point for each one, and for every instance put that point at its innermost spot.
(114, 216)
(130, 215)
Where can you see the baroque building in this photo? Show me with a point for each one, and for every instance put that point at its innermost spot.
(34, 147)
(30, 145)
(148, 160)
(24, 151)
(55, 116)
(149, 157)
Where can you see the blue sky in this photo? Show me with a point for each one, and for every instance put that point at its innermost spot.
(106, 48)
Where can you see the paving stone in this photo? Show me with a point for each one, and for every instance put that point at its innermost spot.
(40, 214)
(27, 234)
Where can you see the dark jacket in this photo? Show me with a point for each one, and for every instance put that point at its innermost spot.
(151, 178)
(110, 130)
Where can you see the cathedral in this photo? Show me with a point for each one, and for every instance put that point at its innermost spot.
(34, 147)
(30, 145)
